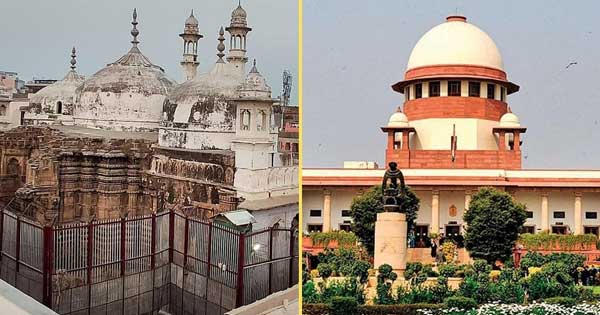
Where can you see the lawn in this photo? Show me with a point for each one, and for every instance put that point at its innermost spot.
(596, 289)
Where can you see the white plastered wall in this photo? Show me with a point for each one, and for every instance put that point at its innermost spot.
(533, 202)
(435, 133)
(562, 201)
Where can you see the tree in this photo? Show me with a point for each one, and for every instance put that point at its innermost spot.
(364, 211)
(493, 223)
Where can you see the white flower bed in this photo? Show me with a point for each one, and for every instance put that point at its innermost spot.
(516, 309)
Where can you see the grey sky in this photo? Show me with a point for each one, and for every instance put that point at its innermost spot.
(37, 35)
(354, 52)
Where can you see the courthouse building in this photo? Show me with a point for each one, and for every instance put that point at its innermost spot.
(454, 134)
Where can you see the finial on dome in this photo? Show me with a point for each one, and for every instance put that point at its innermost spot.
(221, 46)
(192, 14)
(134, 30)
(254, 69)
(73, 60)
(508, 110)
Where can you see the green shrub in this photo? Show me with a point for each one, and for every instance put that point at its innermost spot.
(342, 237)
(309, 293)
(448, 270)
(428, 270)
(404, 309)
(343, 305)
(325, 270)
(360, 269)
(315, 309)
(546, 241)
(460, 302)
(565, 301)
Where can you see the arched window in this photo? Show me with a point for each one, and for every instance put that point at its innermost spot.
(261, 122)
(2, 110)
(59, 107)
(245, 121)
(13, 167)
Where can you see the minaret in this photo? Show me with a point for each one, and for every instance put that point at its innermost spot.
(238, 29)
(190, 37)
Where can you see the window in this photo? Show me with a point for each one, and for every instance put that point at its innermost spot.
(559, 230)
(418, 90)
(474, 89)
(315, 228)
(491, 91)
(315, 212)
(245, 121)
(2, 110)
(59, 107)
(529, 214)
(503, 94)
(345, 227)
(261, 122)
(590, 230)
(528, 229)
(407, 93)
(591, 215)
(345, 213)
(434, 88)
(453, 88)
(559, 214)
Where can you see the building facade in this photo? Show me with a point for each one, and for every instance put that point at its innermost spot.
(455, 133)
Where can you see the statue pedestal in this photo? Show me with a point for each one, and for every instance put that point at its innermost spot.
(390, 240)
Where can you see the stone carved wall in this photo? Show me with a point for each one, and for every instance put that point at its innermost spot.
(69, 178)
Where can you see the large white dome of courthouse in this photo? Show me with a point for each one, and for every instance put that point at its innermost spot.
(455, 42)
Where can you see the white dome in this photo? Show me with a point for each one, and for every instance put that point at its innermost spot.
(455, 42)
(509, 120)
(398, 119)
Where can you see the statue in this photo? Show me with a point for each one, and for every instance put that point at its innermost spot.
(391, 195)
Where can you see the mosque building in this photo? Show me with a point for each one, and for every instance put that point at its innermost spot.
(128, 140)
(456, 133)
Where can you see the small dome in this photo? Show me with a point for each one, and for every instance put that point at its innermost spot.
(63, 92)
(255, 85)
(191, 21)
(455, 42)
(238, 17)
(398, 119)
(509, 120)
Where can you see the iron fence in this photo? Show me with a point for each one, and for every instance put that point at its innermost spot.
(141, 265)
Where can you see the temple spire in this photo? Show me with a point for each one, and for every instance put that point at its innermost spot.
(221, 46)
(134, 30)
(73, 60)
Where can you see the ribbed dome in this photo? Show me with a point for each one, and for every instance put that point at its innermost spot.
(510, 120)
(125, 93)
(191, 20)
(398, 119)
(455, 42)
(63, 91)
(238, 17)
(205, 101)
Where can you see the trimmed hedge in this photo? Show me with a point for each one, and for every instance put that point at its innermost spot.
(561, 300)
(460, 302)
(401, 309)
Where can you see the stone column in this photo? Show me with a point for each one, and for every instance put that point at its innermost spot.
(326, 211)
(578, 226)
(390, 240)
(544, 208)
(435, 211)
(468, 195)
